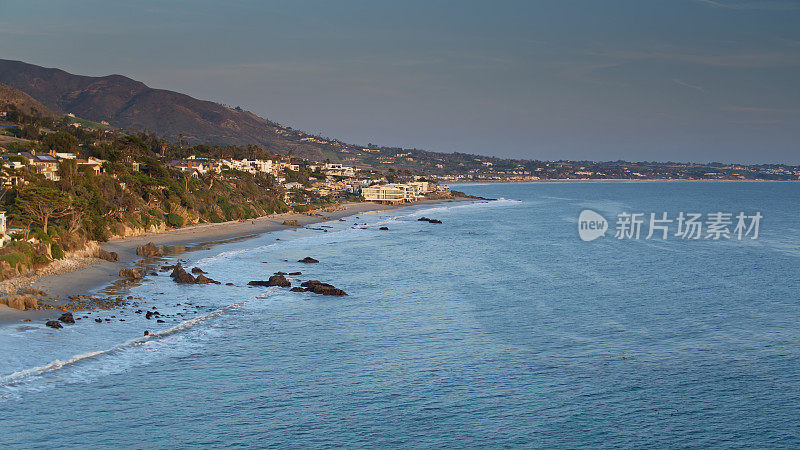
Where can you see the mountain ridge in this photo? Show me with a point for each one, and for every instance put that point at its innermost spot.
(132, 105)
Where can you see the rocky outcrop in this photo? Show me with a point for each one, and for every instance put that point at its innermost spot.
(308, 260)
(275, 280)
(198, 270)
(130, 274)
(150, 250)
(321, 288)
(107, 256)
(202, 279)
(181, 276)
(67, 318)
(292, 223)
(54, 324)
(21, 302)
(298, 289)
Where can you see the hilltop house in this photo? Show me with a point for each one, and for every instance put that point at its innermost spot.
(195, 165)
(339, 170)
(94, 164)
(43, 164)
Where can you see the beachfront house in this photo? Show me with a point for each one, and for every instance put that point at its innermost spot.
(393, 193)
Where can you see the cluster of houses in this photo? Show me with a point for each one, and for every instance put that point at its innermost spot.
(339, 180)
(47, 163)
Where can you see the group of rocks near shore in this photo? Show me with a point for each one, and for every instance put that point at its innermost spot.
(315, 286)
(180, 276)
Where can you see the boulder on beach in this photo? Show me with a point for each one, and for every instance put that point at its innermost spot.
(67, 318)
(321, 288)
(131, 274)
(21, 302)
(291, 223)
(107, 256)
(308, 260)
(54, 324)
(150, 250)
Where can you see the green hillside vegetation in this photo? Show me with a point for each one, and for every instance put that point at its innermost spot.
(63, 215)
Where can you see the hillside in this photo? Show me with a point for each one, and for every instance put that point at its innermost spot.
(23, 102)
(132, 105)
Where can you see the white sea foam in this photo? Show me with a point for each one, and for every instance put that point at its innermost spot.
(27, 377)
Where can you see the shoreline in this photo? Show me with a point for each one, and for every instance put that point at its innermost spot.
(82, 275)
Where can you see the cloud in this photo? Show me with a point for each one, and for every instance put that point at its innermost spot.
(688, 85)
(722, 58)
(775, 5)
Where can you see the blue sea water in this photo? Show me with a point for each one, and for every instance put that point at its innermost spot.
(497, 328)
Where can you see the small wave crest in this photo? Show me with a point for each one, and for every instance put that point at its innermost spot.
(26, 376)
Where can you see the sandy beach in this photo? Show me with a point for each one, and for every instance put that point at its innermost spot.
(77, 275)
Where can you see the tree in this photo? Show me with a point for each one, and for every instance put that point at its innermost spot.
(44, 203)
(61, 142)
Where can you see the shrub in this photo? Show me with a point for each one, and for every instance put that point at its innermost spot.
(57, 251)
(174, 220)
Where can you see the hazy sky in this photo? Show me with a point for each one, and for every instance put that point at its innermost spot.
(681, 80)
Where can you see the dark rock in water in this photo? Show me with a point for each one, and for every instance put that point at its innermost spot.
(150, 250)
(198, 270)
(228, 284)
(98, 320)
(425, 219)
(180, 275)
(275, 280)
(295, 273)
(108, 256)
(308, 260)
(149, 315)
(67, 318)
(202, 279)
(278, 280)
(54, 324)
(160, 321)
(280, 273)
(298, 289)
(383, 228)
(131, 274)
(321, 288)
(146, 333)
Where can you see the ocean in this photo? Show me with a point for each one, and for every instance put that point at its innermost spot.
(499, 327)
